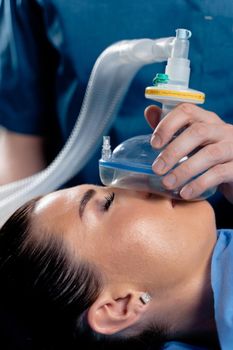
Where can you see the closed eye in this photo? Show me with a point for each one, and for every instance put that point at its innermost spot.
(108, 201)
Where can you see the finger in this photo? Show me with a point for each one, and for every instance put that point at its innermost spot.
(194, 136)
(204, 159)
(213, 177)
(181, 116)
(152, 115)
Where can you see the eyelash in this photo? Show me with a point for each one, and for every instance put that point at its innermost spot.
(108, 201)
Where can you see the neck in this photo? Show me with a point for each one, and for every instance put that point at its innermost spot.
(198, 311)
(196, 320)
(187, 311)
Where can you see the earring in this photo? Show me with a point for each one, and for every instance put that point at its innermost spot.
(145, 298)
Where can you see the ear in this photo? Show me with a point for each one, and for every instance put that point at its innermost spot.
(109, 315)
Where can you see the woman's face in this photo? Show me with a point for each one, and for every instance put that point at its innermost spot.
(131, 236)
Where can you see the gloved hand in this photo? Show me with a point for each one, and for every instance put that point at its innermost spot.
(203, 129)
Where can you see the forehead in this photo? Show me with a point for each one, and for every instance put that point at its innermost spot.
(50, 201)
(56, 209)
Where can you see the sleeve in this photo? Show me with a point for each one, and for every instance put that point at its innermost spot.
(27, 64)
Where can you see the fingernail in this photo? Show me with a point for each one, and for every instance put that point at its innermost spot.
(169, 180)
(156, 141)
(158, 165)
(186, 192)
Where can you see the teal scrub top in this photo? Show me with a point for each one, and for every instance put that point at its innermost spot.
(48, 48)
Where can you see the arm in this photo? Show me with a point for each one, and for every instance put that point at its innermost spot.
(21, 155)
(27, 107)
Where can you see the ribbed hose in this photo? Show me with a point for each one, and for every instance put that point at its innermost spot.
(107, 86)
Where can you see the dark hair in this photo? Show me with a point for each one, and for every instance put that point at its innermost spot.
(47, 292)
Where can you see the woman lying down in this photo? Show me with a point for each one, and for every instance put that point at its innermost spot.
(117, 265)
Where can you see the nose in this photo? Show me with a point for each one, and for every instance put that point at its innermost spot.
(133, 193)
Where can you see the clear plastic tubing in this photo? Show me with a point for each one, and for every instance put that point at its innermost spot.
(107, 86)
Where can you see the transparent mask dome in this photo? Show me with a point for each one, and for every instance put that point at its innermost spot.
(129, 166)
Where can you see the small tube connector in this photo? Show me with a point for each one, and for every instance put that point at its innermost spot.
(178, 64)
(183, 33)
(106, 148)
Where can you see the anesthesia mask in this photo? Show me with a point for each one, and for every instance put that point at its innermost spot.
(129, 166)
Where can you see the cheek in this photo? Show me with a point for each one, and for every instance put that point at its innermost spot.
(134, 247)
(147, 248)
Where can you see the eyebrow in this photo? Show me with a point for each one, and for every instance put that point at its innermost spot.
(85, 199)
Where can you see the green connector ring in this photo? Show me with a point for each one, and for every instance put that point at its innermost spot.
(160, 78)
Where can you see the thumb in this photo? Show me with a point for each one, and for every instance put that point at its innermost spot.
(152, 115)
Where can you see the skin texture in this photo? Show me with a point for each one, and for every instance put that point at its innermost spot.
(205, 130)
(142, 243)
